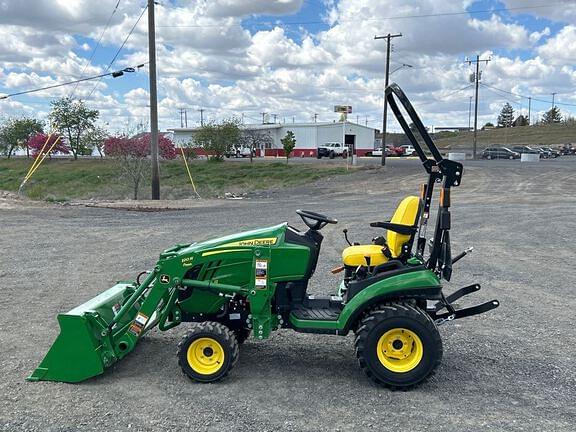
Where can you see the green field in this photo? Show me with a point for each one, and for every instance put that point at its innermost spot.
(65, 179)
(548, 135)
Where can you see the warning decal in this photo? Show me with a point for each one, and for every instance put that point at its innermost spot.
(261, 273)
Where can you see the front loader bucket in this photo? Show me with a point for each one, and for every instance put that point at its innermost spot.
(84, 347)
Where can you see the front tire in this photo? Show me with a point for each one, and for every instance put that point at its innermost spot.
(331, 155)
(398, 346)
(208, 352)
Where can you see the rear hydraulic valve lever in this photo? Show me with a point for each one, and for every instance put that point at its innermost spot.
(462, 254)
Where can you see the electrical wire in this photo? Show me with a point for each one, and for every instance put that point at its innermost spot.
(526, 97)
(119, 49)
(98, 77)
(89, 60)
(398, 17)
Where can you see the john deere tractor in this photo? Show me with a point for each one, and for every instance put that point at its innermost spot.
(250, 284)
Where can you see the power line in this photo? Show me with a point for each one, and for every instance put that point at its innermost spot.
(88, 61)
(398, 17)
(115, 74)
(526, 97)
(120, 49)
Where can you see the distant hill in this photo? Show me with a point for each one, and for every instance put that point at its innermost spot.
(549, 135)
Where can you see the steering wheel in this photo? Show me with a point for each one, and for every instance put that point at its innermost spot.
(320, 221)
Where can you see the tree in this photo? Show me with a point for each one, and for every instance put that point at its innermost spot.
(133, 154)
(552, 116)
(40, 144)
(288, 143)
(74, 120)
(488, 125)
(94, 139)
(218, 138)
(254, 139)
(16, 133)
(506, 117)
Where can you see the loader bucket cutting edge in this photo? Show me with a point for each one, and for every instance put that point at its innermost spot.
(80, 351)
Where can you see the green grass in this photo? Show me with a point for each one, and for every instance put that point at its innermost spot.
(63, 179)
(548, 135)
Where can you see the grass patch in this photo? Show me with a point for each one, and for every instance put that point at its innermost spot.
(61, 180)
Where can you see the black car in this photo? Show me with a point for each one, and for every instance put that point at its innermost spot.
(499, 153)
(526, 149)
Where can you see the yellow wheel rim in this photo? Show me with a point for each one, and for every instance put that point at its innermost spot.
(205, 356)
(400, 350)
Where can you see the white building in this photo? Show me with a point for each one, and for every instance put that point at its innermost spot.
(308, 136)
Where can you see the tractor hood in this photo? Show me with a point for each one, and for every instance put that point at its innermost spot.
(269, 236)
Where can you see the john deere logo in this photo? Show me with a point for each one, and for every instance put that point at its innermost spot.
(164, 279)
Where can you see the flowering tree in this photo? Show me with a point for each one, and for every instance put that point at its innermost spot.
(133, 155)
(36, 144)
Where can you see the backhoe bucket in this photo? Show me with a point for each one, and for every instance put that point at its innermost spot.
(84, 347)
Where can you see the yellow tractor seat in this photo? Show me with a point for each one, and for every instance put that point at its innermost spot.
(405, 219)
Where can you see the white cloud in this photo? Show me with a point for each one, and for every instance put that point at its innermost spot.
(214, 63)
(561, 48)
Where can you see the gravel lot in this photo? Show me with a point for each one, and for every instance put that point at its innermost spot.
(511, 369)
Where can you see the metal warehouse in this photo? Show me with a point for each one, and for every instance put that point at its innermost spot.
(308, 136)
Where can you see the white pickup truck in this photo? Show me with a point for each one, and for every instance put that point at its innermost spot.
(332, 149)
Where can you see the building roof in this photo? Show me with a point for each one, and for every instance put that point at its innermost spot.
(267, 126)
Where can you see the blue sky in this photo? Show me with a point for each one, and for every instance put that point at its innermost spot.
(293, 58)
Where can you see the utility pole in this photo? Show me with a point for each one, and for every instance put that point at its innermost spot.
(185, 117)
(293, 119)
(476, 80)
(315, 117)
(181, 119)
(263, 117)
(153, 103)
(553, 95)
(366, 123)
(201, 116)
(529, 109)
(469, 112)
(275, 116)
(385, 113)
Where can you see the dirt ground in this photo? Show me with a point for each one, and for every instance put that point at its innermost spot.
(512, 369)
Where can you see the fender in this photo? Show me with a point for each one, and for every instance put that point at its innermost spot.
(420, 284)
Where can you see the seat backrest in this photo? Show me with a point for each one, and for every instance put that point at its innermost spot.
(407, 213)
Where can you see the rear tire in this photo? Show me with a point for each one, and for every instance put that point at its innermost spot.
(398, 346)
(488, 157)
(208, 352)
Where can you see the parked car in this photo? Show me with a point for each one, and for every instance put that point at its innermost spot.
(553, 152)
(499, 153)
(526, 149)
(567, 149)
(390, 151)
(409, 150)
(377, 152)
(395, 151)
(544, 153)
(332, 149)
(239, 152)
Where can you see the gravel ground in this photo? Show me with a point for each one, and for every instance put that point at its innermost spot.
(511, 369)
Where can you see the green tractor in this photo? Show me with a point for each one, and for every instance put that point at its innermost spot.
(255, 282)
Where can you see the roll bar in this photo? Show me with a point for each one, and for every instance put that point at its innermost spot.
(438, 169)
(452, 171)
